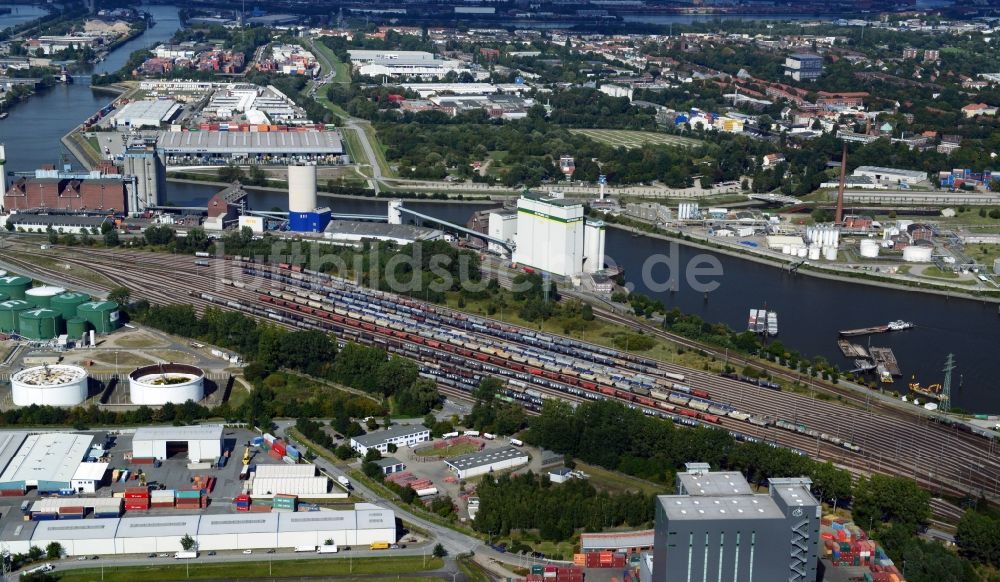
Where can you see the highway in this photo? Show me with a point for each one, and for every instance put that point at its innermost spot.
(943, 458)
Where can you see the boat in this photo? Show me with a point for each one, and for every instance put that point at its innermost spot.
(932, 391)
(883, 374)
(4, 115)
(899, 325)
(772, 323)
(752, 322)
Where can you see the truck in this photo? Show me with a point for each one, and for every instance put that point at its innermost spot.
(516, 442)
(305, 548)
(327, 549)
(186, 555)
(378, 546)
(39, 569)
(344, 481)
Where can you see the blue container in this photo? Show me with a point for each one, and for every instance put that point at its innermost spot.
(44, 516)
(70, 516)
(256, 441)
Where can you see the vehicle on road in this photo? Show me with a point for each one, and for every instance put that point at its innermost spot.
(212, 553)
(164, 555)
(378, 546)
(327, 549)
(247, 551)
(186, 555)
(270, 551)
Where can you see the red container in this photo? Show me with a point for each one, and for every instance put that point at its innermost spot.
(143, 460)
(279, 447)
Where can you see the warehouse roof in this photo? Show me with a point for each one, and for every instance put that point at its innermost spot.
(358, 230)
(47, 457)
(148, 109)
(612, 541)
(202, 432)
(375, 518)
(714, 483)
(290, 485)
(90, 471)
(172, 525)
(283, 470)
(895, 171)
(233, 524)
(318, 520)
(395, 431)
(76, 529)
(18, 531)
(236, 142)
(728, 507)
(54, 504)
(10, 442)
(473, 460)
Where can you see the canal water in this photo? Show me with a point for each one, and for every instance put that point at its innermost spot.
(19, 14)
(810, 310)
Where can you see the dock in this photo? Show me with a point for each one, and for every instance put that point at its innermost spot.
(864, 331)
(852, 350)
(887, 359)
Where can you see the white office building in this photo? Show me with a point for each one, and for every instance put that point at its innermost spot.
(399, 435)
(552, 235)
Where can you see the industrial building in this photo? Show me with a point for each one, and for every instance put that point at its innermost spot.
(57, 385)
(400, 435)
(149, 176)
(488, 461)
(146, 113)
(46, 461)
(303, 212)
(717, 528)
(89, 477)
(803, 66)
(554, 236)
(272, 147)
(300, 480)
(159, 384)
(52, 189)
(502, 225)
(390, 465)
(200, 443)
(891, 176)
(353, 231)
(407, 65)
(363, 525)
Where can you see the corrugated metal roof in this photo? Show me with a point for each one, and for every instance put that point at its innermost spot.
(611, 541)
(172, 525)
(10, 442)
(285, 471)
(76, 529)
(204, 432)
(487, 457)
(317, 520)
(376, 519)
(237, 524)
(90, 471)
(290, 485)
(235, 142)
(52, 504)
(48, 457)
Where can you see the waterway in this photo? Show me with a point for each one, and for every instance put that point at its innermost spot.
(811, 310)
(19, 14)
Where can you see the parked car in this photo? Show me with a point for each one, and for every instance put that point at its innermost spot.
(212, 553)
(247, 551)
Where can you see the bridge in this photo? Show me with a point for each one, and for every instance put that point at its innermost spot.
(772, 198)
(505, 244)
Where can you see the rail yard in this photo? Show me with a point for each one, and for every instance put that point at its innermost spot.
(458, 349)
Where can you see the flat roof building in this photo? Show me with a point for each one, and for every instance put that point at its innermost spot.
(401, 435)
(146, 113)
(488, 461)
(803, 66)
(891, 175)
(716, 528)
(263, 147)
(390, 465)
(553, 235)
(201, 443)
(354, 231)
(47, 461)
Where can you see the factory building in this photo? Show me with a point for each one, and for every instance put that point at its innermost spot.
(717, 528)
(52, 189)
(363, 525)
(483, 462)
(803, 66)
(502, 225)
(399, 435)
(554, 236)
(45, 461)
(272, 147)
(353, 231)
(146, 113)
(891, 176)
(200, 443)
(148, 173)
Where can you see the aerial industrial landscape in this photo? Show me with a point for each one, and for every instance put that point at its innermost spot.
(621, 290)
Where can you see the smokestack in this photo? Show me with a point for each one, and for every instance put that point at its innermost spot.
(839, 216)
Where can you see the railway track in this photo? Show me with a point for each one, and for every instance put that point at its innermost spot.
(941, 458)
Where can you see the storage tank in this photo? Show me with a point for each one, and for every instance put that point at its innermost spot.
(57, 385)
(67, 303)
(830, 253)
(76, 327)
(301, 188)
(42, 296)
(917, 254)
(101, 315)
(814, 253)
(10, 311)
(38, 324)
(4, 297)
(14, 286)
(159, 384)
(869, 248)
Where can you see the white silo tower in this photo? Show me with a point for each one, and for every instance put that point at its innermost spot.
(301, 188)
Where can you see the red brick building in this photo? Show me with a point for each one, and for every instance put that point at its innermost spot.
(103, 193)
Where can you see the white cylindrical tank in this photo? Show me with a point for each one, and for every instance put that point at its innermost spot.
(917, 254)
(42, 296)
(162, 383)
(830, 253)
(814, 253)
(869, 248)
(301, 188)
(57, 385)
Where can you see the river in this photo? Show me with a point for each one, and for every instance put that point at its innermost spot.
(19, 14)
(811, 310)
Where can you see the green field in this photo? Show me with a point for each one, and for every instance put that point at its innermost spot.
(343, 70)
(616, 482)
(449, 451)
(634, 139)
(250, 570)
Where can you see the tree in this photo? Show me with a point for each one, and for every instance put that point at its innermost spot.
(881, 499)
(120, 295)
(53, 551)
(187, 542)
(439, 551)
(53, 235)
(111, 238)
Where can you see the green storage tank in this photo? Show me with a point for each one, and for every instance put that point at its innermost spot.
(42, 296)
(15, 286)
(39, 324)
(67, 303)
(9, 314)
(101, 315)
(76, 327)
(4, 297)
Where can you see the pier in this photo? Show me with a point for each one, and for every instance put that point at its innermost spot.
(887, 359)
(852, 350)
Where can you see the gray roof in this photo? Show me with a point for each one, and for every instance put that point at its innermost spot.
(488, 457)
(230, 523)
(381, 229)
(203, 432)
(628, 539)
(10, 442)
(793, 492)
(76, 529)
(723, 507)
(549, 199)
(395, 431)
(376, 518)
(318, 520)
(896, 171)
(48, 457)
(716, 483)
(57, 220)
(160, 109)
(388, 462)
(247, 142)
(142, 527)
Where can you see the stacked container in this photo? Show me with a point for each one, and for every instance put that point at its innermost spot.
(292, 453)
(261, 506)
(72, 512)
(162, 498)
(108, 510)
(136, 499)
(242, 503)
(284, 502)
(188, 499)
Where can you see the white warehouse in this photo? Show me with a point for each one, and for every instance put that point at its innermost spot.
(363, 525)
(201, 443)
(553, 235)
(473, 464)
